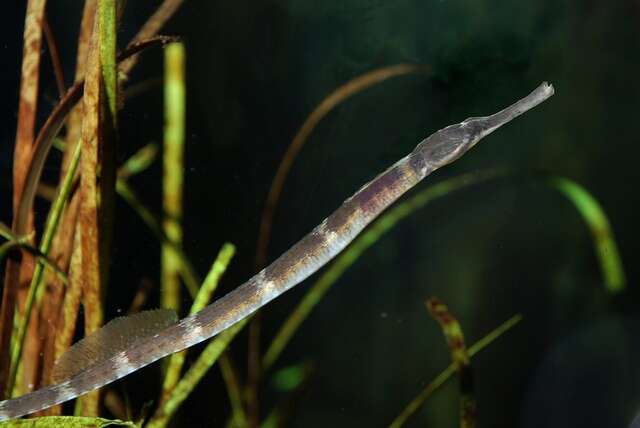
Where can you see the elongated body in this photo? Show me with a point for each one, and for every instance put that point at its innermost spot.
(303, 259)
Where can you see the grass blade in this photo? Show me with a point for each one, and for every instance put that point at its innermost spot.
(36, 281)
(138, 162)
(173, 173)
(601, 232)
(189, 275)
(440, 380)
(455, 340)
(16, 272)
(150, 29)
(98, 160)
(189, 381)
(202, 299)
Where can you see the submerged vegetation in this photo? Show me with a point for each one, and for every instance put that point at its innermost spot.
(56, 281)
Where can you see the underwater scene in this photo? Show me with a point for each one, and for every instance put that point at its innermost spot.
(356, 213)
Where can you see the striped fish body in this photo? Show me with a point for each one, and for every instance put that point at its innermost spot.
(307, 256)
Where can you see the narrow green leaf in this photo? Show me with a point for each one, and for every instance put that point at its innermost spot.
(176, 361)
(440, 380)
(460, 358)
(53, 220)
(173, 172)
(193, 376)
(601, 232)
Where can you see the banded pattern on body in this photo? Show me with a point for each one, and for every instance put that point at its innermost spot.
(299, 262)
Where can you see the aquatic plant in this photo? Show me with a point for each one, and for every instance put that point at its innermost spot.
(72, 255)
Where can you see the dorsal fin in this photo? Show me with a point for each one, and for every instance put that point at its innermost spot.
(113, 337)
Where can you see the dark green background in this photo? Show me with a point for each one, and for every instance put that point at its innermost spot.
(256, 69)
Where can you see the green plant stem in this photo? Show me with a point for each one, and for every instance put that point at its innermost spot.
(210, 284)
(601, 232)
(460, 358)
(187, 271)
(108, 25)
(189, 381)
(439, 380)
(23, 243)
(138, 162)
(173, 173)
(238, 415)
(50, 229)
(176, 362)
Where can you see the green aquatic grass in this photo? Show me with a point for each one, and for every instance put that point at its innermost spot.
(138, 162)
(234, 391)
(203, 298)
(460, 358)
(447, 373)
(187, 271)
(290, 378)
(7, 233)
(172, 196)
(172, 173)
(193, 376)
(601, 232)
(23, 243)
(107, 15)
(100, 124)
(97, 176)
(53, 220)
(211, 282)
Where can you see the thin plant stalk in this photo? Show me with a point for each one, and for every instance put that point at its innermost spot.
(193, 376)
(150, 29)
(17, 272)
(45, 244)
(188, 273)
(54, 54)
(48, 132)
(98, 136)
(176, 361)
(23, 243)
(238, 415)
(33, 35)
(22, 214)
(57, 334)
(173, 173)
(460, 358)
(138, 162)
(601, 232)
(447, 373)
